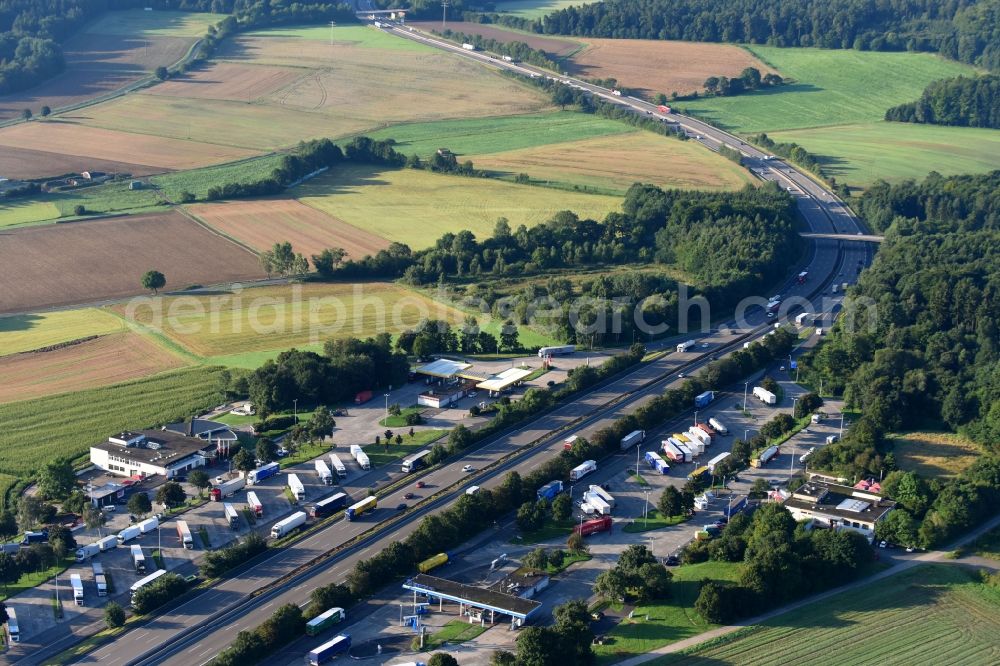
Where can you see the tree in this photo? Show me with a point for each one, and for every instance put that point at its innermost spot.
(503, 658)
(153, 280)
(56, 479)
(669, 503)
(32, 511)
(652, 580)
(8, 524)
(751, 78)
(61, 540)
(321, 423)
(562, 96)
(10, 572)
(442, 659)
(199, 479)
(75, 502)
(139, 504)
(93, 518)
(528, 518)
(266, 450)
(576, 543)
(327, 261)
(611, 584)
(171, 494)
(162, 73)
(188, 197)
(573, 627)
(26, 114)
(536, 559)
(46, 111)
(711, 85)
(243, 461)
(3, 613)
(562, 507)
(79, 209)
(539, 646)
(897, 527)
(114, 615)
(509, 336)
(334, 595)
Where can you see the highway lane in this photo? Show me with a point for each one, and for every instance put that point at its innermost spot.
(823, 214)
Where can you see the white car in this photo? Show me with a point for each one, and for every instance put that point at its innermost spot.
(681, 375)
(467, 468)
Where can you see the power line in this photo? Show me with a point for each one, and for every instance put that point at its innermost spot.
(444, 13)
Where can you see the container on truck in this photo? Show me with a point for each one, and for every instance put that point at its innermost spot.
(707, 429)
(600, 506)
(148, 525)
(254, 504)
(184, 535)
(255, 476)
(735, 506)
(764, 395)
(764, 457)
(77, 584)
(416, 461)
(550, 490)
(86, 552)
(227, 489)
(323, 472)
(602, 493)
(663, 108)
(359, 509)
(689, 453)
(128, 534)
(819, 331)
(432, 562)
(569, 442)
(699, 474)
(361, 397)
(35, 537)
(716, 460)
(633, 438)
(327, 506)
(671, 451)
(138, 559)
(360, 456)
(587, 508)
(802, 318)
(101, 581)
(582, 470)
(588, 527)
(324, 621)
(718, 426)
(683, 439)
(12, 629)
(697, 434)
(108, 543)
(338, 465)
(656, 463)
(802, 277)
(298, 490)
(507, 58)
(556, 351)
(327, 651)
(232, 517)
(704, 399)
(684, 346)
(288, 525)
(468, 47)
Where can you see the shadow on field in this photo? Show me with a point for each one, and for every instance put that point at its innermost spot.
(21, 322)
(343, 181)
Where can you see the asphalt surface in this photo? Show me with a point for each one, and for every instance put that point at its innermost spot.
(201, 627)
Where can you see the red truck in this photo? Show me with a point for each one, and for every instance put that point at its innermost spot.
(589, 527)
(663, 108)
(363, 397)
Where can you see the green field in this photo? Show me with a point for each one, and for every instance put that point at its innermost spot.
(108, 198)
(831, 87)
(383, 455)
(476, 136)
(417, 207)
(19, 333)
(355, 35)
(136, 22)
(39, 430)
(670, 620)
(928, 615)
(198, 181)
(27, 211)
(535, 8)
(861, 154)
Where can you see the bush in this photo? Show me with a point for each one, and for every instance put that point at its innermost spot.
(79, 209)
(165, 588)
(218, 562)
(114, 615)
(414, 418)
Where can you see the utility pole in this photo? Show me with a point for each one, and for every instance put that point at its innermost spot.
(746, 387)
(444, 13)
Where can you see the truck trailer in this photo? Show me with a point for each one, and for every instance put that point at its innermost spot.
(324, 621)
(699, 474)
(633, 438)
(184, 534)
(129, 533)
(298, 490)
(656, 463)
(550, 490)
(689, 453)
(255, 476)
(109, 542)
(468, 47)
(718, 426)
(361, 457)
(582, 470)
(416, 461)
(765, 457)
(433, 562)
(359, 509)
(559, 350)
(286, 526)
(99, 579)
(232, 517)
(685, 346)
(338, 465)
(86, 552)
(138, 559)
(596, 501)
(704, 399)
(603, 494)
(323, 472)
(707, 429)
(227, 489)
(327, 651)
(588, 527)
(569, 442)
(697, 434)
(672, 451)
(327, 506)
(77, 584)
(254, 504)
(764, 395)
(716, 460)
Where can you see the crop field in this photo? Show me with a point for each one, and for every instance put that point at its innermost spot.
(105, 360)
(120, 48)
(42, 429)
(104, 259)
(227, 81)
(861, 154)
(69, 134)
(554, 46)
(534, 8)
(280, 317)
(27, 163)
(478, 136)
(262, 223)
(198, 181)
(934, 454)
(934, 614)
(27, 332)
(614, 163)
(417, 207)
(831, 87)
(108, 198)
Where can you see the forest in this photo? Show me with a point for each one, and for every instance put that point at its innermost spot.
(964, 30)
(962, 101)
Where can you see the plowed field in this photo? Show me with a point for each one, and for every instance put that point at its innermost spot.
(228, 81)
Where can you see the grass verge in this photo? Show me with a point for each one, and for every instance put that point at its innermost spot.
(455, 631)
(383, 454)
(653, 521)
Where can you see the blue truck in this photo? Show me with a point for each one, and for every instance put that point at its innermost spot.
(329, 505)
(704, 399)
(657, 463)
(330, 649)
(550, 490)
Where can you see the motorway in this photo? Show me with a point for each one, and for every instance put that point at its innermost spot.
(201, 627)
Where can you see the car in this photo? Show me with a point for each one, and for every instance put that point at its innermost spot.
(723, 521)
(719, 524)
(704, 345)
(681, 375)
(401, 506)
(421, 484)
(672, 561)
(770, 315)
(220, 480)
(473, 394)
(409, 496)
(597, 616)
(774, 483)
(883, 544)
(109, 508)
(132, 519)
(340, 412)
(467, 468)
(781, 369)
(910, 549)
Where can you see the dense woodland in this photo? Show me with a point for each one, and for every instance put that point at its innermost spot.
(964, 30)
(966, 102)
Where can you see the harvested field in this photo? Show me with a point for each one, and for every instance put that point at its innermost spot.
(227, 81)
(156, 23)
(262, 223)
(115, 146)
(554, 46)
(660, 66)
(938, 455)
(616, 162)
(27, 163)
(284, 316)
(82, 262)
(27, 332)
(105, 360)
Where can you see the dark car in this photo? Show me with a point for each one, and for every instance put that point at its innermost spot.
(409, 496)
(420, 484)
(672, 561)
(401, 506)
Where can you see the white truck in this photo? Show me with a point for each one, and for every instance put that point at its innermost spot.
(582, 470)
(596, 501)
(338, 465)
(718, 426)
(298, 490)
(689, 453)
(603, 494)
(468, 47)
(109, 542)
(684, 346)
(360, 457)
(803, 317)
(764, 395)
(86, 552)
(232, 517)
(148, 525)
(323, 472)
(77, 585)
(184, 534)
(714, 462)
(128, 534)
(699, 435)
(286, 526)
(633, 438)
(253, 503)
(100, 580)
(765, 457)
(138, 559)
(227, 489)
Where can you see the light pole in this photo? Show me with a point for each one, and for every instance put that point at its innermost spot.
(841, 436)
(645, 511)
(746, 435)
(746, 387)
(696, 418)
(295, 411)
(795, 401)
(386, 409)
(638, 448)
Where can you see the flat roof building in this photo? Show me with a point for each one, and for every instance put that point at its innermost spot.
(838, 506)
(145, 453)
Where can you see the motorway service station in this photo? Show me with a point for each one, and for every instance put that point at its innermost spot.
(482, 605)
(455, 380)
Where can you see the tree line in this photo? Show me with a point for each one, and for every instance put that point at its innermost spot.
(517, 50)
(749, 80)
(962, 101)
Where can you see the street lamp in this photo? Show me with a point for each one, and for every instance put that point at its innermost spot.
(696, 417)
(386, 408)
(645, 511)
(841, 425)
(295, 410)
(746, 387)
(795, 401)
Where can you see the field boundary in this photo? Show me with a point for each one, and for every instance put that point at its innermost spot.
(202, 223)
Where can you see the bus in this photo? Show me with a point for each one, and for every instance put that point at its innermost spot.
(156, 575)
(15, 633)
(416, 461)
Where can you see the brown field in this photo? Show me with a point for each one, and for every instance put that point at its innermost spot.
(82, 262)
(228, 81)
(68, 136)
(616, 162)
(262, 223)
(22, 163)
(96, 65)
(102, 361)
(661, 66)
(934, 454)
(554, 46)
